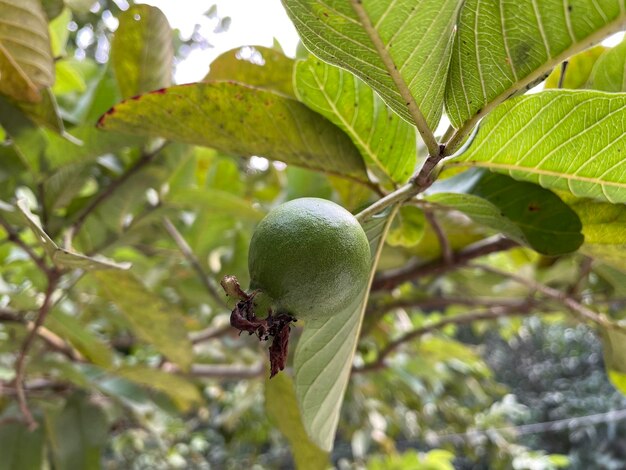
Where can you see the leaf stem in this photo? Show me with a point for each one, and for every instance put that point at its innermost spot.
(392, 69)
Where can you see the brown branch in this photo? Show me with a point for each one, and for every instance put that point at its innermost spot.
(494, 313)
(207, 334)
(20, 364)
(572, 304)
(446, 250)
(185, 249)
(14, 237)
(144, 159)
(586, 266)
(390, 279)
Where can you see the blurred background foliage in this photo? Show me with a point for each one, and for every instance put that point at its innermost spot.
(98, 382)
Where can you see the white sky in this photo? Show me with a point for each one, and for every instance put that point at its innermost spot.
(254, 23)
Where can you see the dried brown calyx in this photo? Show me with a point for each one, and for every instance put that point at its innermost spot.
(274, 326)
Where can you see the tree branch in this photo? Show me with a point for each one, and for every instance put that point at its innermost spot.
(495, 312)
(446, 250)
(20, 364)
(207, 334)
(13, 236)
(185, 249)
(565, 299)
(390, 279)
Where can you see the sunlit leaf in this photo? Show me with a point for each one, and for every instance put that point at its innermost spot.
(414, 38)
(563, 140)
(577, 71)
(387, 142)
(257, 66)
(239, 120)
(504, 48)
(325, 351)
(26, 65)
(142, 51)
(609, 71)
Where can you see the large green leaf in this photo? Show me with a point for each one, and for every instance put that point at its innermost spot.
(400, 48)
(142, 52)
(26, 64)
(604, 228)
(609, 72)
(239, 120)
(21, 449)
(77, 434)
(215, 201)
(563, 140)
(525, 212)
(152, 319)
(257, 66)
(282, 408)
(577, 71)
(502, 48)
(325, 351)
(386, 141)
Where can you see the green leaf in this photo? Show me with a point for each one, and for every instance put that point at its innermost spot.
(142, 51)
(26, 64)
(502, 49)
(563, 140)
(525, 212)
(282, 409)
(604, 228)
(184, 393)
(577, 71)
(609, 72)
(21, 448)
(325, 351)
(45, 112)
(256, 66)
(87, 343)
(61, 256)
(152, 319)
(68, 78)
(410, 227)
(614, 343)
(387, 142)
(239, 120)
(215, 201)
(415, 39)
(77, 434)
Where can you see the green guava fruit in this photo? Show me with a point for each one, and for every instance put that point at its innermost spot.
(310, 256)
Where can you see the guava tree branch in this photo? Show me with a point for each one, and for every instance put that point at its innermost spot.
(565, 299)
(14, 237)
(446, 250)
(20, 364)
(498, 311)
(187, 252)
(390, 279)
(144, 159)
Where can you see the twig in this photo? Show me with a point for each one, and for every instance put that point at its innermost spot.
(185, 249)
(143, 160)
(390, 279)
(562, 297)
(585, 268)
(14, 237)
(446, 249)
(562, 76)
(495, 312)
(20, 364)
(207, 334)
(221, 371)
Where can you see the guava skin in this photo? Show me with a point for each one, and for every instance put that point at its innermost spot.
(310, 256)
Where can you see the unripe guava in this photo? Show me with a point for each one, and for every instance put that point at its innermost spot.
(310, 256)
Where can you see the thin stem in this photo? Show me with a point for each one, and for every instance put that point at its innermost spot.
(400, 195)
(565, 299)
(446, 249)
(207, 334)
(20, 364)
(187, 252)
(143, 160)
(494, 313)
(562, 76)
(14, 237)
(447, 134)
(394, 73)
(390, 279)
